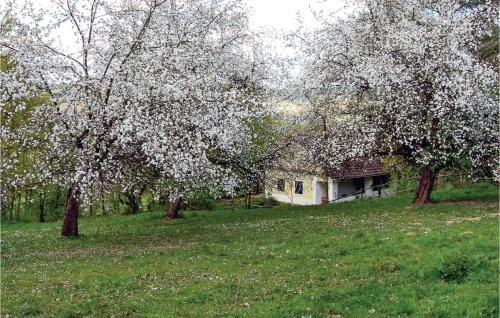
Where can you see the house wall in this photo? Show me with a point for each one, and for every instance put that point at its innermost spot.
(321, 191)
(333, 189)
(289, 196)
(368, 187)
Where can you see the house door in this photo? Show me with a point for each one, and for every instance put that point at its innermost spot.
(321, 192)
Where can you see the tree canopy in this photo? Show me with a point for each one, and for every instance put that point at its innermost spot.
(401, 78)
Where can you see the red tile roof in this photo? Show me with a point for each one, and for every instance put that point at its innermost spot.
(357, 169)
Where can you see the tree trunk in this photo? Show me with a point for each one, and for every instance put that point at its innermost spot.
(18, 209)
(91, 207)
(427, 178)
(174, 208)
(103, 205)
(9, 205)
(70, 220)
(132, 203)
(3, 205)
(247, 203)
(58, 196)
(41, 207)
(11, 209)
(29, 199)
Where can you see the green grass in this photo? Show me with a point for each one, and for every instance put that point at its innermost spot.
(372, 258)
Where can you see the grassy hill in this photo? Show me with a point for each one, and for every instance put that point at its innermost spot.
(372, 258)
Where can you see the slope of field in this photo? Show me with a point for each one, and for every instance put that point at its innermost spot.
(372, 258)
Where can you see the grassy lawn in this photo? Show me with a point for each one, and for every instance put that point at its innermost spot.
(372, 258)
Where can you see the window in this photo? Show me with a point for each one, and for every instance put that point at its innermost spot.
(280, 185)
(299, 187)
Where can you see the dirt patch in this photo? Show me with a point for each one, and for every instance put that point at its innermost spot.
(460, 220)
(479, 204)
(472, 219)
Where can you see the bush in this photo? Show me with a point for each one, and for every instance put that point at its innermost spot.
(455, 268)
(266, 202)
(200, 203)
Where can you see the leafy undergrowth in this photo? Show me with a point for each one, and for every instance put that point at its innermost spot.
(372, 258)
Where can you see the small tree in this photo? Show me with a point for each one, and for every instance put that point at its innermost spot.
(403, 80)
(262, 145)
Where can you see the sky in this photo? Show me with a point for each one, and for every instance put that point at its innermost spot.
(282, 14)
(278, 14)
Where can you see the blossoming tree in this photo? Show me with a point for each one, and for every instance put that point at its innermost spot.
(140, 84)
(402, 78)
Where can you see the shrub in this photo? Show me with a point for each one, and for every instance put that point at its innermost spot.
(201, 203)
(455, 268)
(267, 202)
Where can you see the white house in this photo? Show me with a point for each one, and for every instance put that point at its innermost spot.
(366, 178)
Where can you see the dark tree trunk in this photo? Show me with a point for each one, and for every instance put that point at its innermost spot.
(174, 208)
(103, 205)
(132, 203)
(6, 204)
(247, 203)
(3, 205)
(427, 178)
(57, 198)
(29, 199)
(70, 221)
(41, 207)
(91, 207)
(18, 209)
(11, 209)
